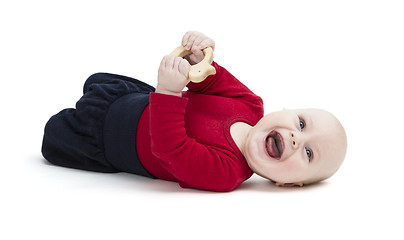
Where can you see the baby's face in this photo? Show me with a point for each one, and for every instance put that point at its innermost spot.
(296, 146)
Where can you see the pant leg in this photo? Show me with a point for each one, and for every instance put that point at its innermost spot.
(104, 77)
(65, 145)
(74, 137)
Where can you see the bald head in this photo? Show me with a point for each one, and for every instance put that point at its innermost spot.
(332, 145)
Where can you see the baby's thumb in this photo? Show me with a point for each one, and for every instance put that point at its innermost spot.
(198, 53)
(184, 67)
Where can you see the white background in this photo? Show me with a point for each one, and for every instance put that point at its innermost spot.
(343, 56)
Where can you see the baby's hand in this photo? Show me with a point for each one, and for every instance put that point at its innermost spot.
(196, 42)
(172, 75)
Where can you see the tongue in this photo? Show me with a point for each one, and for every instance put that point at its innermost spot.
(272, 148)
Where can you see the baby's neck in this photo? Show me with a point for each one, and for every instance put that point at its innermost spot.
(239, 132)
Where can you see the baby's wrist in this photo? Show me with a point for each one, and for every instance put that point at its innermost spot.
(162, 90)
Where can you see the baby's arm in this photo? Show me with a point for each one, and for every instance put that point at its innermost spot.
(173, 73)
(223, 83)
(192, 163)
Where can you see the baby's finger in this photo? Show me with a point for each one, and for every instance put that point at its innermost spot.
(185, 38)
(163, 62)
(169, 60)
(191, 42)
(176, 63)
(197, 51)
(207, 43)
(183, 67)
(197, 42)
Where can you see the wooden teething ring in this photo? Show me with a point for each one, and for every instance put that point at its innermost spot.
(198, 72)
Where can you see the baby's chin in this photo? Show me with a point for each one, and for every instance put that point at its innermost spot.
(299, 182)
(282, 176)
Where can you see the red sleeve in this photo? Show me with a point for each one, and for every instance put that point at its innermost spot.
(224, 84)
(193, 164)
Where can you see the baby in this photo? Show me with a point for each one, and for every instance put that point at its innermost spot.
(211, 137)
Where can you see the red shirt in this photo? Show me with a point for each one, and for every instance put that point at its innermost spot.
(187, 139)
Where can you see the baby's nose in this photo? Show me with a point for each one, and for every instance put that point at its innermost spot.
(293, 140)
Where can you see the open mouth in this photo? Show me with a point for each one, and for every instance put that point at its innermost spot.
(274, 145)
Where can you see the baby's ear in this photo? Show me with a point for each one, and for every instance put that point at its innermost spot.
(289, 184)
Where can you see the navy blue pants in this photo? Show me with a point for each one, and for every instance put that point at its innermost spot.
(100, 133)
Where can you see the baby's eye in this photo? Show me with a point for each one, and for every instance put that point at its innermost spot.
(309, 153)
(302, 124)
